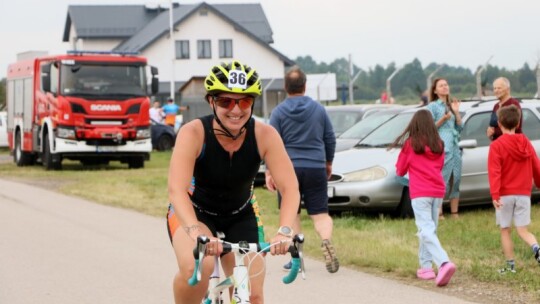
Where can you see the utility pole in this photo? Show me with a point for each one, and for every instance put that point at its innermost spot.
(430, 77)
(352, 79)
(538, 80)
(349, 73)
(173, 51)
(479, 78)
(388, 86)
(265, 100)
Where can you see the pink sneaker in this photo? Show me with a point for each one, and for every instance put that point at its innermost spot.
(425, 274)
(445, 274)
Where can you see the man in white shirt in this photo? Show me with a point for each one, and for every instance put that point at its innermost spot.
(156, 113)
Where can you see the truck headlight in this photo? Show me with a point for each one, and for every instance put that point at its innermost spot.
(143, 133)
(63, 132)
(366, 175)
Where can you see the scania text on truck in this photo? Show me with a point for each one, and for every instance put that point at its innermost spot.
(91, 107)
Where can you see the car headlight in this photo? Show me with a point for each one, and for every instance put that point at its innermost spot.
(365, 175)
(68, 133)
(143, 133)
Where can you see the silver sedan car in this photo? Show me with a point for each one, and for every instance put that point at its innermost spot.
(364, 178)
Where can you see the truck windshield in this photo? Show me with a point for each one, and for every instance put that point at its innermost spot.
(102, 81)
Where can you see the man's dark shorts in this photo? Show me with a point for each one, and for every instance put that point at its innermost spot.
(313, 184)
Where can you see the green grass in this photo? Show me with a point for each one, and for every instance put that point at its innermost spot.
(373, 243)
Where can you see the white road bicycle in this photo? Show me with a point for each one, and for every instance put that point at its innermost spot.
(240, 278)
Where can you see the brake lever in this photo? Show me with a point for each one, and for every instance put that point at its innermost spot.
(299, 244)
(202, 240)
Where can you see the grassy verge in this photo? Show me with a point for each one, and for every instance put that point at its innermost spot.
(375, 243)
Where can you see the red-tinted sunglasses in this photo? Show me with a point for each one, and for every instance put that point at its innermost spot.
(228, 103)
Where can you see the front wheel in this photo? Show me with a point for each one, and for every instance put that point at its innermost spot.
(48, 162)
(405, 209)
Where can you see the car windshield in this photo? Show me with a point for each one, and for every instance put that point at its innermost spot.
(387, 132)
(366, 125)
(342, 121)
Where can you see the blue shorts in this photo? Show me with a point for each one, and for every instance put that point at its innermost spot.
(313, 184)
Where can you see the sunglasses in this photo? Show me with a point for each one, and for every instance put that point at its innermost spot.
(228, 103)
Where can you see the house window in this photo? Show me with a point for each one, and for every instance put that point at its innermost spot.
(182, 49)
(203, 49)
(225, 48)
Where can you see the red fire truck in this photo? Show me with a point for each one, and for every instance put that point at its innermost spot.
(86, 106)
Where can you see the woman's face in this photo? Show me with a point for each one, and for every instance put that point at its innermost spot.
(232, 109)
(442, 89)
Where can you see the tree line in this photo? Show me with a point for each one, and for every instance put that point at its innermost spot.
(411, 81)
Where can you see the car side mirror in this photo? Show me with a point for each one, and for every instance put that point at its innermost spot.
(155, 80)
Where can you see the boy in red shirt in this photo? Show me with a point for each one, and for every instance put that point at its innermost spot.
(512, 165)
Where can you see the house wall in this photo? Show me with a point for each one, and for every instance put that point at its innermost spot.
(195, 88)
(211, 27)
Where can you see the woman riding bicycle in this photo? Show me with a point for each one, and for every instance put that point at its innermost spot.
(211, 176)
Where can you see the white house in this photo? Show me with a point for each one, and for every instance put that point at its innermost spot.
(204, 35)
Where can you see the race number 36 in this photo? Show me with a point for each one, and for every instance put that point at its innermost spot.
(237, 79)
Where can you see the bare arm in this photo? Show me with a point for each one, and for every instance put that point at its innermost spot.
(187, 148)
(282, 173)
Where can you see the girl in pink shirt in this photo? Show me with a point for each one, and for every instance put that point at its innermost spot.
(422, 156)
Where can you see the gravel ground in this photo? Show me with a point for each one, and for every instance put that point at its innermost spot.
(460, 286)
(475, 291)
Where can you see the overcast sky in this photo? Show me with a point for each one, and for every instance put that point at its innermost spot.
(458, 32)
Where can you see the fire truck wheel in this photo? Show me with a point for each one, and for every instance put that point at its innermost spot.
(47, 157)
(20, 157)
(136, 162)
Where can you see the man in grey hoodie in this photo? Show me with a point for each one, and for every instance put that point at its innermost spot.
(309, 139)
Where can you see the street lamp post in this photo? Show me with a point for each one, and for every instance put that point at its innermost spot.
(479, 78)
(172, 47)
(388, 86)
(430, 77)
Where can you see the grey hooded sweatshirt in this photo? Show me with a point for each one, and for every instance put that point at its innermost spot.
(306, 131)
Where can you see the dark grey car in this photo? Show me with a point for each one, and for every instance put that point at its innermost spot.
(163, 136)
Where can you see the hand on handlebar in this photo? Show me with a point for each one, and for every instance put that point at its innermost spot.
(207, 246)
(214, 247)
(282, 244)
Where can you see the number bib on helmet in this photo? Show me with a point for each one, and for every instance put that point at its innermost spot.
(237, 79)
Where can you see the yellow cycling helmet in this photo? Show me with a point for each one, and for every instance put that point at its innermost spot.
(233, 77)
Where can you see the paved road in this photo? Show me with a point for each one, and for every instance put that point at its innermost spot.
(60, 249)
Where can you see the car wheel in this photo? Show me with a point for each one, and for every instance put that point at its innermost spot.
(165, 142)
(405, 209)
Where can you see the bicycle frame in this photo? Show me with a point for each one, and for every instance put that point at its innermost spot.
(240, 277)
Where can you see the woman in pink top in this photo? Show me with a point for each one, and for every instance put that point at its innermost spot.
(422, 156)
